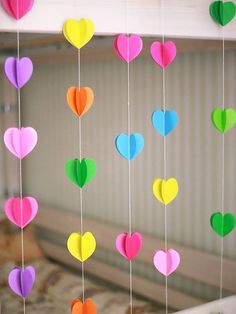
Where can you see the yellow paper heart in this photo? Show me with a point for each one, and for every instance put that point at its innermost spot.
(165, 190)
(78, 33)
(81, 247)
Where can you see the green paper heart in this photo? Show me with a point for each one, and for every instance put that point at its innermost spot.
(223, 120)
(222, 224)
(222, 12)
(80, 172)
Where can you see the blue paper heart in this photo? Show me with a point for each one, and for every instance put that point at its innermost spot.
(129, 146)
(164, 121)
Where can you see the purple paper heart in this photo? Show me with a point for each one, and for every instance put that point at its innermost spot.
(21, 281)
(18, 71)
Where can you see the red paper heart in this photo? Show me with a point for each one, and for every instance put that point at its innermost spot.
(17, 8)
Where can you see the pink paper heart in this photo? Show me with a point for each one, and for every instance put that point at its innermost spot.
(129, 245)
(13, 206)
(20, 142)
(17, 8)
(166, 262)
(163, 54)
(128, 48)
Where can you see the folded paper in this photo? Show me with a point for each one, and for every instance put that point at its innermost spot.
(87, 307)
(222, 12)
(80, 100)
(129, 146)
(21, 281)
(223, 224)
(20, 142)
(223, 119)
(165, 190)
(21, 212)
(128, 47)
(81, 247)
(163, 53)
(164, 121)
(17, 8)
(166, 262)
(129, 245)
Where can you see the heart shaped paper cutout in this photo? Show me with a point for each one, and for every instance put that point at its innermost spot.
(88, 307)
(21, 281)
(223, 119)
(129, 146)
(222, 12)
(17, 8)
(165, 190)
(20, 142)
(164, 121)
(78, 33)
(223, 224)
(80, 100)
(18, 71)
(13, 207)
(163, 54)
(129, 245)
(81, 172)
(81, 247)
(128, 47)
(166, 262)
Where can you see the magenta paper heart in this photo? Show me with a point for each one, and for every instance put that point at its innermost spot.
(20, 142)
(18, 71)
(12, 209)
(128, 48)
(21, 281)
(163, 54)
(129, 245)
(166, 262)
(17, 8)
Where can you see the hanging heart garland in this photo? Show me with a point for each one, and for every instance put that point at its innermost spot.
(163, 53)
(223, 119)
(129, 146)
(81, 247)
(223, 224)
(17, 8)
(88, 307)
(128, 47)
(166, 262)
(129, 245)
(80, 100)
(21, 281)
(164, 121)
(222, 12)
(165, 190)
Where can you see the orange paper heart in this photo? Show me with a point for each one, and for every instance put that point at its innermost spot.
(80, 100)
(88, 307)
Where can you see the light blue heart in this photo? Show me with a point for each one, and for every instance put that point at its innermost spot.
(164, 121)
(129, 146)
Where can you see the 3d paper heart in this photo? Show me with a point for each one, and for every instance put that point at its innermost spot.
(166, 262)
(129, 146)
(165, 191)
(223, 224)
(21, 281)
(163, 54)
(128, 47)
(17, 8)
(13, 207)
(78, 33)
(80, 100)
(222, 12)
(223, 120)
(88, 307)
(164, 121)
(18, 71)
(81, 172)
(20, 142)
(81, 247)
(129, 245)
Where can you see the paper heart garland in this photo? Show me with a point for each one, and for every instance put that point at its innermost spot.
(223, 119)
(80, 172)
(163, 54)
(166, 262)
(129, 146)
(12, 209)
(18, 71)
(164, 121)
(88, 307)
(80, 100)
(21, 281)
(81, 247)
(78, 33)
(17, 8)
(128, 47)
(129, 245)
(165, 190)
(222, 12)
(20, 142)
(223, 224)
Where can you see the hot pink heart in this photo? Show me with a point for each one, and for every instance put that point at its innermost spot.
(13, 211)
(128, 48)
(129, 245)
(20, 142)
(163, 54)
(17, 8)
(166, 262)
